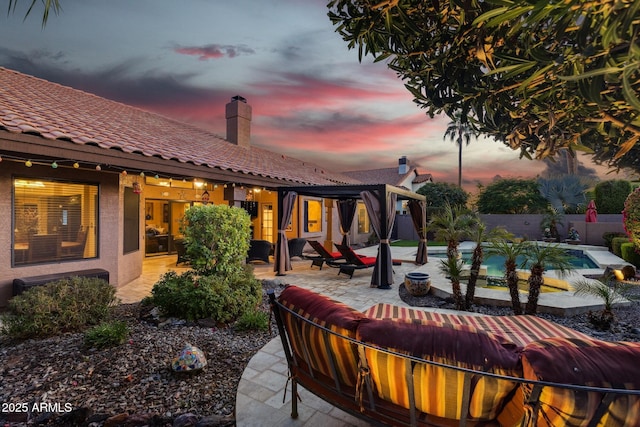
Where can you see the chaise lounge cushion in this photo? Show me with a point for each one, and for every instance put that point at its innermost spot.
(332, 315)
(439, 390)
(587, 362)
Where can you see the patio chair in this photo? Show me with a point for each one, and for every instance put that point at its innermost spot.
(296, 246)
(324, 255)
(259, 250)
(181, 250)
(353, 261)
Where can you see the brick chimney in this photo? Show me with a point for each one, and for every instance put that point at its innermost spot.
(403, 165)
(238, 115)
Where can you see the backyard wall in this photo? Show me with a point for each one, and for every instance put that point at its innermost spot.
(529, 226)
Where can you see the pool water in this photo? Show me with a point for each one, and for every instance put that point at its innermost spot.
(495, 263)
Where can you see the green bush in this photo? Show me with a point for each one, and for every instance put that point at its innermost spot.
(616, 243)
(631, 217)
(610, 195)
(68, 305)
(106, 335)
(223, 298)
(217, 238)
(629, 254)
(254, 320)
(608, 237)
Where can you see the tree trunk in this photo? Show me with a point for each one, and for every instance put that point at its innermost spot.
(512, 283)
(473, 275)
(535, 283)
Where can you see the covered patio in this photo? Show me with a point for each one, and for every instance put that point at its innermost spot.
(380, 201)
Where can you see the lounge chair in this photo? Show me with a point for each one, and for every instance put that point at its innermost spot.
(324, 255)
(353, 261)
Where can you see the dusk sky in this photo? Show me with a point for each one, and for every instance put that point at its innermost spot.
(311, 98)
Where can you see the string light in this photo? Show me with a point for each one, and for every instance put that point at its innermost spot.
(98, 168)
(54, 165)
(124, 172)
(76, 165)
(28, 163)
(142, 174)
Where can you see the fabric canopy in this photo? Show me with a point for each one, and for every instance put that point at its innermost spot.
(382, 213)
(418, 212)
(346, 213)
(282, 261)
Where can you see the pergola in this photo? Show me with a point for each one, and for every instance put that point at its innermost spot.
(380, 201)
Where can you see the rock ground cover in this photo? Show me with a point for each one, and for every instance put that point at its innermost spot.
(133, 384)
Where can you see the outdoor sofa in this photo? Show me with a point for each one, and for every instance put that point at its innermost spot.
(398, 366)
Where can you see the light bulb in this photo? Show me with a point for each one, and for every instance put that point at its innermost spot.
(28, 163)
(54, 165)
(76, 165)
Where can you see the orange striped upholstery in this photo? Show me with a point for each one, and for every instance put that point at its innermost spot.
(322, 351)
(438, 390)
(520, 330)
(583, 362)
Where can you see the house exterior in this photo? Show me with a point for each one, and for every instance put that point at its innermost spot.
(403, 176)
(86, 182)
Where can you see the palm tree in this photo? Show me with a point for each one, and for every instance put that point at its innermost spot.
(458, 130)
(479, 235)
(452, 268)
(510, 252)
(452, 225)
(540, 257)
(610, 291)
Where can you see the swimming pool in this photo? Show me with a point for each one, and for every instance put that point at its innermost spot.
(495, 263)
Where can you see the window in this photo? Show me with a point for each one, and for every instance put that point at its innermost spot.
(363, 219)
(131, 220)
(312, 216)
(53, 221)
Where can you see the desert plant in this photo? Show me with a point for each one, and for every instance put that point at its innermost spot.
(452, 224)
(216, 238)
(67, 305)
(254, 320)
(510, 252)
(479, 235)
(564, 193)
(539, 258)
(222, 298)
(610, 291)
(105, 335)
(452, 268)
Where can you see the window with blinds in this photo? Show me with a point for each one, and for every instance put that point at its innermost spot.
(53, 221)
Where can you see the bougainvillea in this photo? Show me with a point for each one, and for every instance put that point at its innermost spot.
(631, 217)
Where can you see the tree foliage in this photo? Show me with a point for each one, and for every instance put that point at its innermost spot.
(439, 194)
(631, 217)
(610, 195)
(565, 193)
(512, 196)
(538, 76)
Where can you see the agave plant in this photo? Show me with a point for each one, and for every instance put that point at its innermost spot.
(610, 291)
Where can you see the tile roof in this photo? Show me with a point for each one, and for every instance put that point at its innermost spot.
(380, 176)
(52, 111)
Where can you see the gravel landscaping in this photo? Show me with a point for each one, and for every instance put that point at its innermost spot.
(57, 381)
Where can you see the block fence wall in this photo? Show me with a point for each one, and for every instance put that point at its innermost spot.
(529, 226)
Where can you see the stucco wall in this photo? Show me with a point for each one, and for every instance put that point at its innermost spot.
(109, 228)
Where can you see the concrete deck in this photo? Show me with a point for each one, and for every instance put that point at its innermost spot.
(261, 399)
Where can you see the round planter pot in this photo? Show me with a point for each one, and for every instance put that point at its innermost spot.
(417, 284)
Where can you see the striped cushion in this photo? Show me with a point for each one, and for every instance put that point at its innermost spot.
(322, 351)
(438, 390)
(520, 330)
(584, 362)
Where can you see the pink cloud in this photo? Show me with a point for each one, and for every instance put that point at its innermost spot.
(213, 51)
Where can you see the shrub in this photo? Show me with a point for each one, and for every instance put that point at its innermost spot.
(222, 298)
(610, 195)
(631, 217)
(616, 243)
(629, 254)
(217, 238)
(608, 236)
(106, 335)
(67, 305)
(255, 320)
